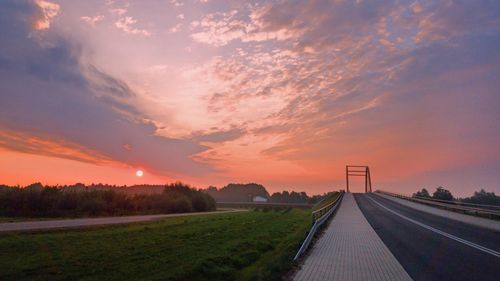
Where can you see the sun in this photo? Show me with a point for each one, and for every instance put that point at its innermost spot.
(139, 173)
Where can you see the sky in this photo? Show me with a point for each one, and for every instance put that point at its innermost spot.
(282, 93)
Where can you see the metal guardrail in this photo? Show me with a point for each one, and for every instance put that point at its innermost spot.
(323, 210)
(319, 217)
(480, 206)
(461, 207)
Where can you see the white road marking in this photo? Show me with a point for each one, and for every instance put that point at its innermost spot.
(458, 239)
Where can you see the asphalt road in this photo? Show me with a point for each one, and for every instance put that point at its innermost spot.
(86, 222)
(431, 247)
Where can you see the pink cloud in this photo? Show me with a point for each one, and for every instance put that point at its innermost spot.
(92, 20)
(127, 25)
(48, 11)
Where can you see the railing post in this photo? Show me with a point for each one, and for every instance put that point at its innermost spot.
(347, 177)
(366, 180)
(369, 178)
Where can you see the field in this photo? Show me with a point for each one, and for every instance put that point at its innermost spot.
(254, 245)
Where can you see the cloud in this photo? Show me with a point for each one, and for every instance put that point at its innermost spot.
(127, 25)
(54, 102)
(177, 3)
(359, 81)
(220, 28)
(175, 28)
(119, 11)
(26, 143)
(92, 20)
(48, 11)
(218, 136)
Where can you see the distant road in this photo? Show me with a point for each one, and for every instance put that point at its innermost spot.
(76, 223)
(430, 247)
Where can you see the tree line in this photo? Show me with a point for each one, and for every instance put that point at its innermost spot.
(479, 197)
(294, 197)
(37, 200)
(236, 192)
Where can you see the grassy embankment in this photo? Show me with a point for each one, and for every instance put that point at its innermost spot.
(254, 245)
(329, 199)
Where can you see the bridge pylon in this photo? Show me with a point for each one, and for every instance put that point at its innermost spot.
(358, 171)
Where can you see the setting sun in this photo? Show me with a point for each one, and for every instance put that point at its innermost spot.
(139, 173)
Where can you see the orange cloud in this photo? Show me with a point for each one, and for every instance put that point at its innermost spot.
(48, 11)
(29, 143)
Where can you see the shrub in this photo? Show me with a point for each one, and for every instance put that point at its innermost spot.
(442, 194)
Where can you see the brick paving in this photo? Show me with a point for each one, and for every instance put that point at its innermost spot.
(350, 250)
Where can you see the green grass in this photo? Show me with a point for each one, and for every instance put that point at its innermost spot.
(255, 245)
(9, 219)
(329, 199)
(21, 219)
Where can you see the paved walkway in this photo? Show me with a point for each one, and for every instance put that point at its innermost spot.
(477, 221)
(350, 250)
(74, 223)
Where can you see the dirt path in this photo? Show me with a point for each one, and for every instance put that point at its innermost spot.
(75, 223)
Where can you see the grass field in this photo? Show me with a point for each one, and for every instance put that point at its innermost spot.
(254, 245)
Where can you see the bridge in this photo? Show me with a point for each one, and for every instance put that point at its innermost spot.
(384, 236)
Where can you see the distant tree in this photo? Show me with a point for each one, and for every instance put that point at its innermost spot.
(483, 197)
(442, 194)
(293, 197)
(34, 187)
(235, 192)
(315, 198)
(423, 193)
(211, 188)
(276, 197)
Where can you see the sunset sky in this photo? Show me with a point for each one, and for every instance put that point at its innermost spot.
(282, 93)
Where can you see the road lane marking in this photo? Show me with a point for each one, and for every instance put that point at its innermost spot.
(458, 239)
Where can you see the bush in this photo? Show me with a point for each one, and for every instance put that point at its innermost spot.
(483, 197)
(423, 193)
(442, 194)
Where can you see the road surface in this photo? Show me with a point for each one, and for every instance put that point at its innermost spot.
(477, 221)
(430, 247)
(75, 223)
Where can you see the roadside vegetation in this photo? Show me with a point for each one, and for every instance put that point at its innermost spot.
(254, 245)
(295, 197)
(79, 200)
(237, 192)
(329, 198)
(479, 197)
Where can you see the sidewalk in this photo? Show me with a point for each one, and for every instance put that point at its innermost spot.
(477, 221)
(350, 250)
